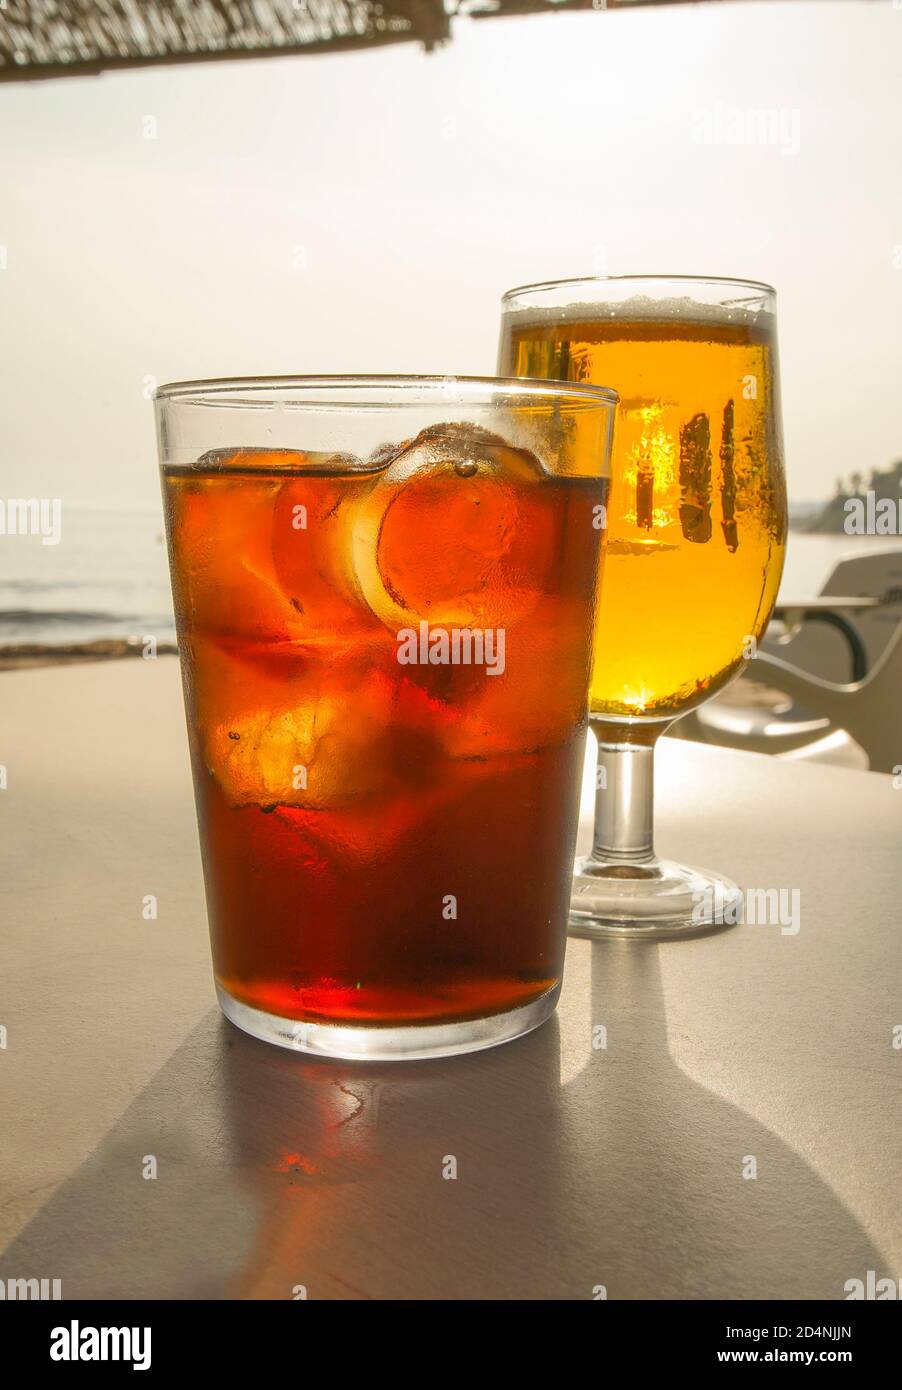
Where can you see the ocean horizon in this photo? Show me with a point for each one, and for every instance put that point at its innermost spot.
(108, 577)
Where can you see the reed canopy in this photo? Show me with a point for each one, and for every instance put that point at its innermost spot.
(63, 38)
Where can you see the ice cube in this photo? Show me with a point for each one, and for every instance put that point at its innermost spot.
(312, 529)
(294, 725)
(223, 571)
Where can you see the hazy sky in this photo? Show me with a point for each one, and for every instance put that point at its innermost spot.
(363, 212)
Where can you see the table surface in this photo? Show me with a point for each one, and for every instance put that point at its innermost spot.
(577, 1167)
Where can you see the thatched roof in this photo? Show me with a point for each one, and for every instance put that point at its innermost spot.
(59, 38)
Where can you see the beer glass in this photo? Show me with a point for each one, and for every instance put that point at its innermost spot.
(694, 548)
(384, 592)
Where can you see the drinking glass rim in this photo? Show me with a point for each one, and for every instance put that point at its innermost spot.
(567, 281)
(256, 391)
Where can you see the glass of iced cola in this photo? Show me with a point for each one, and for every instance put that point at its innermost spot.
(384, 591)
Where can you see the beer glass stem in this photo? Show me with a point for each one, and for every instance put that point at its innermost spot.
(622, 889)
(624, 803)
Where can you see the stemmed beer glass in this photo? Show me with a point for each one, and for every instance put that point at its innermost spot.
(696, 527)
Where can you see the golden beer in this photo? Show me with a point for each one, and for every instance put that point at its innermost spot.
(696, 514)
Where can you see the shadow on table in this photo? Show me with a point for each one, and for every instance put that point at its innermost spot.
(276, 1171)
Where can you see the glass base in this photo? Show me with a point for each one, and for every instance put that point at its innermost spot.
(403, 1043)
(651, 901)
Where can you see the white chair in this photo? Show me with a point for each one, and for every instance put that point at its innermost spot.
(822, 716)
(815, 647)
(870, 710)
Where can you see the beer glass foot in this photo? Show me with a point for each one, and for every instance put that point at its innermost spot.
(651, 901)
(390, 1043)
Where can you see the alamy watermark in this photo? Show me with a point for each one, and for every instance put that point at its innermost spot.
(455, 646)
(872, 1288)
(32, 516)
(764, 907)
(778, 126)
(871, 515)
(21, 1290)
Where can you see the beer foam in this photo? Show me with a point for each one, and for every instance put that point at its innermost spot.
(645, 309)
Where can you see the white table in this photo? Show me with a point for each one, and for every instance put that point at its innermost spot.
(620, 1167)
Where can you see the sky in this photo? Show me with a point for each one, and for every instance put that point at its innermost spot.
(364, 212)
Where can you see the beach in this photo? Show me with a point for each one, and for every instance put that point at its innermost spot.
(100, 592)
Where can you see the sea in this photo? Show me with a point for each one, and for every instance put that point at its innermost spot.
(108, 577)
